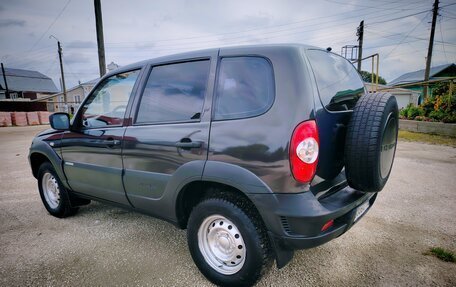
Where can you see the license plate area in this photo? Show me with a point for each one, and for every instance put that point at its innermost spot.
(361, 210)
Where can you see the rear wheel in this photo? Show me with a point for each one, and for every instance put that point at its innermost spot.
(53, 194)
(228, 242)
(371, 142)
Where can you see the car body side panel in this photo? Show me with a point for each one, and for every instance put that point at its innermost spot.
(92, 166)
(151, 157)
(155, 167)
(260, 144)
(42, 145)
(235, 176)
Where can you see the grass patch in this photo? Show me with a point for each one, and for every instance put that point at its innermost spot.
(441, 254)
(427, 138)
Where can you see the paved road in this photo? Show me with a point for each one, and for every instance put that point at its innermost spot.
(103, 245)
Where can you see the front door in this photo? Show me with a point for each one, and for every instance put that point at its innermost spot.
(170, 130)
(92, 150)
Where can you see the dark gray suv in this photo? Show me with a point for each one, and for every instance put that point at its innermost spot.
(257, 151)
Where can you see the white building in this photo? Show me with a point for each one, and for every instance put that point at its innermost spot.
(403, 96)
(75, 96)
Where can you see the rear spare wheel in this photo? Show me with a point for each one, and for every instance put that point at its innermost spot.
(370, 143)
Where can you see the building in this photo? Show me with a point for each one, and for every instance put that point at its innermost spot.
(436, 73)
(25, 84)
(403, 96)
(75, 95)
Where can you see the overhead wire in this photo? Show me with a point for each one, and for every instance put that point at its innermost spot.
(50, 25)
(443, 43)
(403, 39)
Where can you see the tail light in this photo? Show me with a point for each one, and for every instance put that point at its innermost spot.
(304, 151)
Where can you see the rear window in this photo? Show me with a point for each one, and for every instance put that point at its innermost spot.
(245, 88)
(339, 84)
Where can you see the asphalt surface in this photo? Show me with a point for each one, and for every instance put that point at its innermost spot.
(103, 245)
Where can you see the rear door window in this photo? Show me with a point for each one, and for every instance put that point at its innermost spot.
(174, 93)
(339, 84)
(245, 88)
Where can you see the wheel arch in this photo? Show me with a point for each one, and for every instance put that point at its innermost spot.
(194, 192)
(36, 160)
(41, 152)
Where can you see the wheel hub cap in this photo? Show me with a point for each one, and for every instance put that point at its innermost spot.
(51, 190)
(221, 244)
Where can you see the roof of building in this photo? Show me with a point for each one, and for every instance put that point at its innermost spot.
(417, 76)
(389, 89)
(89, 84)
(27, 81)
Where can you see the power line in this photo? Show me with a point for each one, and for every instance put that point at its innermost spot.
(318, 19)
(403, 39)
(398, 18)
(443, 43)
(50, 26)
(373, 7)
(241, 38)
(402, 34)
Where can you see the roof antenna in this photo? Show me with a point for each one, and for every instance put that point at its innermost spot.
(329, 49)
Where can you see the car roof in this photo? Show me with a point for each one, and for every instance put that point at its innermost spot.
(248, 49)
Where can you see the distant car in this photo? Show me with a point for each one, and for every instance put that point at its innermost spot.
(257, 151)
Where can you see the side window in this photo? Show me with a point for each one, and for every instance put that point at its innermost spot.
(245, 88)
(107, 104)
(338, 82)
(174, 93)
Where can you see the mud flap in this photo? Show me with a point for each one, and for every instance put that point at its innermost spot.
(282, 255)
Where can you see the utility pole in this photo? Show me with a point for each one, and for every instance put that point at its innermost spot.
(59, 49)
(100, 39)
(360, 34)
(431, 45)
(6, 83)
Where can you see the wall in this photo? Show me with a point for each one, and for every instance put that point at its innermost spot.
(428, 127)
(22, 106)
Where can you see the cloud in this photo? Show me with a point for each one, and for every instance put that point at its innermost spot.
(74, 58)
(11, 22)
(81, 44)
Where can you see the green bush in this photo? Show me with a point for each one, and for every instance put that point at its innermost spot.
(428, 105)
(414, 112)
(437, 115)
(403, 112)
(450, 118)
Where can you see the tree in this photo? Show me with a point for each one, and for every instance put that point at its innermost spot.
(368, 76)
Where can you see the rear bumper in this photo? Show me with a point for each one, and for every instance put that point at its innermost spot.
(295, 221)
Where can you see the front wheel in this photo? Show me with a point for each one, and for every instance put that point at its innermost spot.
(53, 194)
(228, 242)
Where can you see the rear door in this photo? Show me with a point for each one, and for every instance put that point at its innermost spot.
(170, 129)
(92, 150)
(339, 87)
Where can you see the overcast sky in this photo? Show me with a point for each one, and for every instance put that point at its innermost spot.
(137, 30)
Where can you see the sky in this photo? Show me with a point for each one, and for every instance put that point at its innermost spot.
(136, 30)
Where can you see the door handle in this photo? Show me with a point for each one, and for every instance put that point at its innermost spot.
(188, 144)
(111, 143)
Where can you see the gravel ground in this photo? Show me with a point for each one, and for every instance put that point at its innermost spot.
(103, 245)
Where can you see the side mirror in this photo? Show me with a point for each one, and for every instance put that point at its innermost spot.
(60, 121)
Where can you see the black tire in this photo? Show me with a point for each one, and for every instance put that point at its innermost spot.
(63, 207)
(258, 256)
(371, 140)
